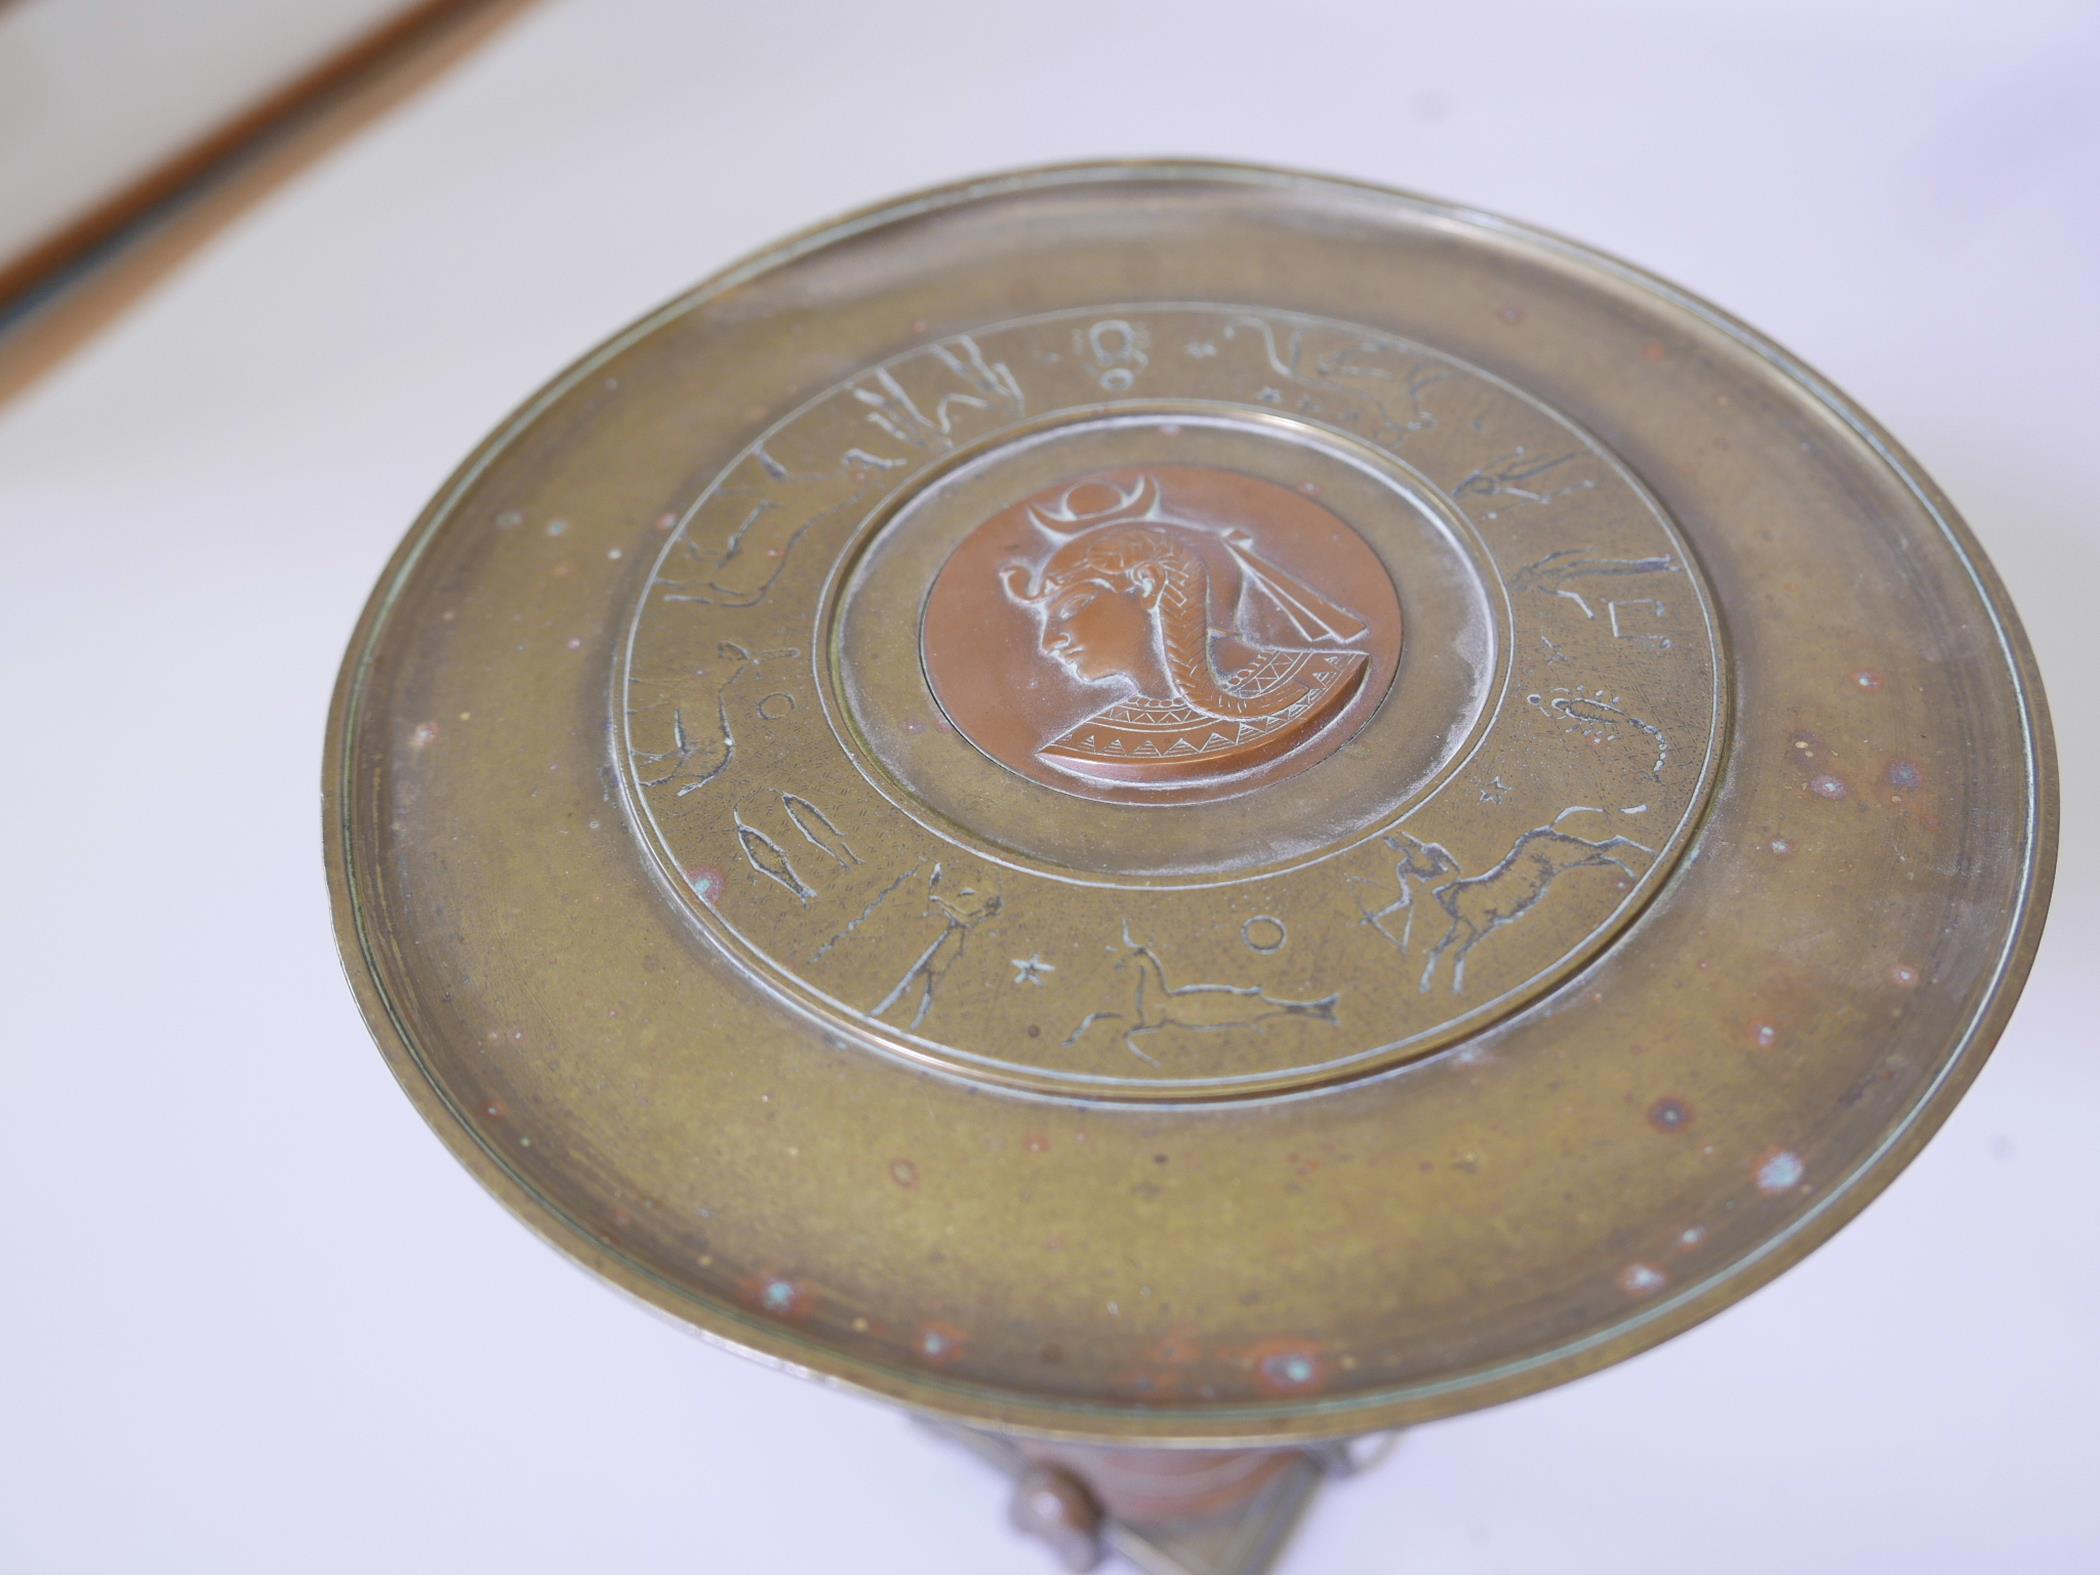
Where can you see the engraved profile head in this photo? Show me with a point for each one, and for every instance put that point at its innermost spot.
(1223, 656)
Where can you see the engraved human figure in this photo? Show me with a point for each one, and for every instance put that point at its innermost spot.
(960, 908)
(1225, 659)
(1419, 862)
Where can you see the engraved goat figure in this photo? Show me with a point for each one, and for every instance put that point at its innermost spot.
(1478, 905)
(1155, 1004)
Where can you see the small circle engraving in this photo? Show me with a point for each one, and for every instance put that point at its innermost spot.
(1264, 933)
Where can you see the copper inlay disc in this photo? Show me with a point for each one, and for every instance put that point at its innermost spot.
(1160, 629)
(1184, 803)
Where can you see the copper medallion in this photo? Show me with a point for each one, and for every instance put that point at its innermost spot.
(1158, 627)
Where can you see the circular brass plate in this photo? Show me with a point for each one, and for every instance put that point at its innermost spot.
(1182, 802)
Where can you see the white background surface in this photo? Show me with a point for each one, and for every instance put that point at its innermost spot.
(254, 1317)
(88, 104)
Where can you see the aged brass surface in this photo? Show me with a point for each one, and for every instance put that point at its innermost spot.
(1583, 812)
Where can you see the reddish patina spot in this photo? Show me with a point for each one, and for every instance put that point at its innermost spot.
(1669, 1114)
(1286, 1367)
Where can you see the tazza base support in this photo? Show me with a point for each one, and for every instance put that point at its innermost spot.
(1164, 1511)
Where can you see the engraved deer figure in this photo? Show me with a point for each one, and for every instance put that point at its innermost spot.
(1155, 1004)
(1481, 904)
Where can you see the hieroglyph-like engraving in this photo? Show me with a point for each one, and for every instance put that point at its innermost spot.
(733, 547)
(772, 860)
(1117, 351)
(1390, 396)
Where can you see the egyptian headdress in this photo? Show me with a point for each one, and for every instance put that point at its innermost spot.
(1301, 650)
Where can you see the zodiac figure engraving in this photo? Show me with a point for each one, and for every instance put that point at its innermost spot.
(1117, 350)
(1520, 476)
(960, 908)
(1224, 657)
(772, 860)
(1599, 716)
(1420, 863)
(1552, 573)
(696, 757)
(1206, 1008)
(1475, 906)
